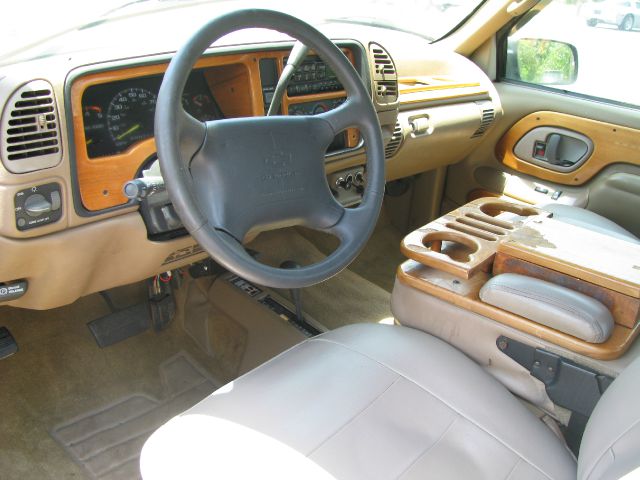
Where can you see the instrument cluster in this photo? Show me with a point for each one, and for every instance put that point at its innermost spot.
(118, 115)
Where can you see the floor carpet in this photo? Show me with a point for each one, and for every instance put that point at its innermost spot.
(107, 442)
(73, 410)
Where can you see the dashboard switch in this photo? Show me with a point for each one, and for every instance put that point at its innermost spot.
(35, 205)
(56, 202)
(38, 205)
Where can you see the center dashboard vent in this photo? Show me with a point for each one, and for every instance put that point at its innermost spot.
(385, 76)
(394, 144)
(30, 129)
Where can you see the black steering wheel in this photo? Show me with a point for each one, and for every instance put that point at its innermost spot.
(229, 177)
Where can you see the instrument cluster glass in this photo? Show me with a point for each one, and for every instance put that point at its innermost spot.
(120, 114)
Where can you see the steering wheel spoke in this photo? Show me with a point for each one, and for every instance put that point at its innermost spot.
(191, 134)
(345, 116)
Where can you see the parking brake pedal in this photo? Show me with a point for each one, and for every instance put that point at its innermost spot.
(8, 345)
(161, 302)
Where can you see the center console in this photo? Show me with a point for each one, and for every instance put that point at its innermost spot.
(512, 287)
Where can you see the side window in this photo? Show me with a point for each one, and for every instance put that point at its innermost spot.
(585, 47)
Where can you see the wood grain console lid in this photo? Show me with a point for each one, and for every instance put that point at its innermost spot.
(591, 256)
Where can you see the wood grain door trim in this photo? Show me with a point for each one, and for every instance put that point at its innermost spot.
(612, 144)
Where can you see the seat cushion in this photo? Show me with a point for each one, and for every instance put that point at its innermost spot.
(365, 401)
(587, 219)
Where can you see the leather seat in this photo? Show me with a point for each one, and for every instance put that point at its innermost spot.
(588, 219)
(375, 401)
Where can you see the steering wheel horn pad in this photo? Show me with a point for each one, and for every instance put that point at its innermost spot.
(233, 176)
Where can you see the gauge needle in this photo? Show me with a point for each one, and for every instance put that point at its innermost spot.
(135, 128)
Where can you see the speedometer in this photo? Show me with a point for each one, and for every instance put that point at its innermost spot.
(130, 116)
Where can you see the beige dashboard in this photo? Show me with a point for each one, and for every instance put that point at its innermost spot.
(99, 240)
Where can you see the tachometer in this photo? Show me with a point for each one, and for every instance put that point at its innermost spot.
(130, 116)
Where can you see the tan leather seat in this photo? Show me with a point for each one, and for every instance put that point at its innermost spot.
(374, 401)
(588, 219)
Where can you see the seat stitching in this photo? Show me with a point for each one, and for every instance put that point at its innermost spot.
(430, 447)
(436, 397)
(631, 427)
(513, 469)
(355, 416)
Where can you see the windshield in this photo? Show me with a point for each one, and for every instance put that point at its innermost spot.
(431, 19)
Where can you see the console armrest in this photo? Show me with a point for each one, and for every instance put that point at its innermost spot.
(557, 307)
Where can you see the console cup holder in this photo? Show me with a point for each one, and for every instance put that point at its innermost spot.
(456, 246)
(493, 209)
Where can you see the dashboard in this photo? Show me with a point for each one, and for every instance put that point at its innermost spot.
(113, 112)
(86, 121)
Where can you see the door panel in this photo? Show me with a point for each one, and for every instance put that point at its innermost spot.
(617, 197)
(596, 185)
(611, 144)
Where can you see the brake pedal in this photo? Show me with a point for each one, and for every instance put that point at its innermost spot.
(120, 325)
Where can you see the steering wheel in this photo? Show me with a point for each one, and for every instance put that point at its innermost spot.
(229, 177)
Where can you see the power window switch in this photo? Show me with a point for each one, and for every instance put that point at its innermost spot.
(556, 195)
(542, 190)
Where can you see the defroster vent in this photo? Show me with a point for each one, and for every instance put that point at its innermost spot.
(30, 129)
(385, 77)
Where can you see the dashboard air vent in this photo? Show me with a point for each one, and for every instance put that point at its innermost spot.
(30, 129)
(488, 115)
(394, 144)
(385, 77)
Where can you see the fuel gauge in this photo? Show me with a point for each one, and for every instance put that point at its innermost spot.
(94, 128)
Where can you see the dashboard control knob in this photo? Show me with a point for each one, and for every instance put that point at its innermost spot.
(341, 182)
(348, 182)
(358, 179)
(36, 205)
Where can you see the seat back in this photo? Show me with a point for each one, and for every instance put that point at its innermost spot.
(610, 446)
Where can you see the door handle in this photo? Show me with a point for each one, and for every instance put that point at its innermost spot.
(553, 142)
(554, 148)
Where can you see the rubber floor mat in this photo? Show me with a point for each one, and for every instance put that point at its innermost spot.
(107, 442)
